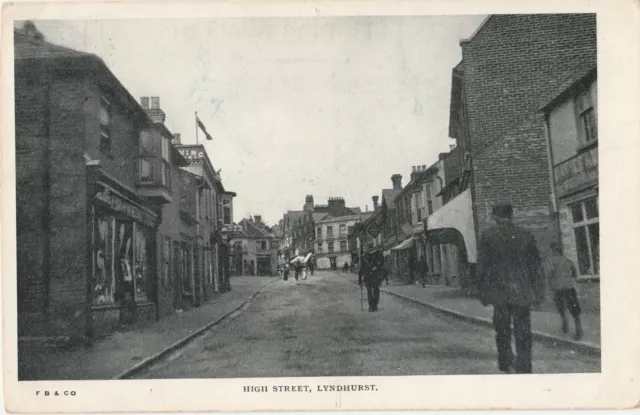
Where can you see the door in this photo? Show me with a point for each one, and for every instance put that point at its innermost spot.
(332, 263)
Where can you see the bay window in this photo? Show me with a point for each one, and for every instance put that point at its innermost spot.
(154, 163)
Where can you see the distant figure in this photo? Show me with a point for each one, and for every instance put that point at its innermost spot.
(561, 274)
(299, 267)
(310, 266)
(371, 274)
(509, 277)
(424, 271)
(286, 272)
(345, 268)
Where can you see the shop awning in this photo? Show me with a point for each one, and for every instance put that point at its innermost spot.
(406, 244)
(455, 217)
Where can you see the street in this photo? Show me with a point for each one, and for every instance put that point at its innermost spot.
(315, 327)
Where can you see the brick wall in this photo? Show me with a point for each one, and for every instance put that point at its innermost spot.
(63, 289)
(512, 65)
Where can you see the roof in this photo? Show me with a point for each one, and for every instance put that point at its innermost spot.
(389, 195)
(41, 54)
(29, 48)
(568, 81)
(295, 214)
(252, 230)
(319, 216)
(355, 210)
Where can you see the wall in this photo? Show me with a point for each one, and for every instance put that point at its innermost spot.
(511, 66)
(66, 288)
(563, 132)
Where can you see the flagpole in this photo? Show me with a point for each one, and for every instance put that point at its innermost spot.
(197, 127)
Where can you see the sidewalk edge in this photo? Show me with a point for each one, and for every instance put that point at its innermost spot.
(586, 348)
(185, 340)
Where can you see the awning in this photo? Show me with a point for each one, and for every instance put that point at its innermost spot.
(387, 252)
(457, 216)
(406, 244)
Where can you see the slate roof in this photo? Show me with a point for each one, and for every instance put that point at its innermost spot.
(253, 231)
(389, 195)
(26, 47)
(566, 81)
(356, 210)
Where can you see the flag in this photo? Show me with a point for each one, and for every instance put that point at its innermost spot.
(202, 127)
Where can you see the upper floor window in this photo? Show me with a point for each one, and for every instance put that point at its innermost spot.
(319, 232)
(343, 230)
(329, 231)
(319, 250)
(587, 116)
(330, 246)
(166, 163)
(343, 246)
(146, 159)
(227, 215)
(105, 128)
(429, 199)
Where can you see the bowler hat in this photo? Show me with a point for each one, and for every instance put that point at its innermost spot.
(502, 210)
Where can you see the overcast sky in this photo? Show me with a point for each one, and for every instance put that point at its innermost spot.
(324, 106)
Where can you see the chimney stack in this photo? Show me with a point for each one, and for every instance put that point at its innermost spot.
(151, 106)
(257, 218)
(396, 179)
(375, 202)
(176, 139)
(414, 172)
(308, 202)
(451, 146)
(424, 167)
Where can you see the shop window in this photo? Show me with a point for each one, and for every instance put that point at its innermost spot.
(587, 116)
(104, 288)
(142, 263)
(586, 227)
(105, 128)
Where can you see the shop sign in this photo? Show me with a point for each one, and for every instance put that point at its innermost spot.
(192, 153)
(117, 204)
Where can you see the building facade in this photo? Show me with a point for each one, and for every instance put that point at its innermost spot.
(332, 250)
(572, 124)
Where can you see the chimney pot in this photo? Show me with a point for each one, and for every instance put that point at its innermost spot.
(375, 202)
(396, 179)
(144, 101)
(155, 103)
(176, 138)
(424, 167)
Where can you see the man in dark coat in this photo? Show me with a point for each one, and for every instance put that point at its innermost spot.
(510, 278)
(372, 274)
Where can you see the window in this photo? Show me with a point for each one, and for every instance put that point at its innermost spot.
(166, 261)
(227, 215)
(343, 246)
(319, 232)
(329, 231)
(104, 261)
(263, 244)
(105, 124)
(141, 262)
(586, 227)
(166, 164)
(429, 199)
(330, 246)
(587, 116)
(319, 250)
(343, 230)
(146, 158)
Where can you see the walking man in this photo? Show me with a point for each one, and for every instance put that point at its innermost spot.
(372, 274)
(560, 274)
(509, 278)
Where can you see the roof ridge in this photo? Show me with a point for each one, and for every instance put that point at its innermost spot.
(43, 42)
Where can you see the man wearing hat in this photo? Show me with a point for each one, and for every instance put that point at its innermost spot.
(510, 278)
(372, 273)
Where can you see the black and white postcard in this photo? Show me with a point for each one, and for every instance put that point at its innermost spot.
(296, 206)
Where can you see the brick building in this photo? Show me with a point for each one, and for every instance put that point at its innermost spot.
(87, 256)
(509, 66)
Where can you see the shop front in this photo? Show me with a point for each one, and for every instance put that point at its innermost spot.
(122, 283)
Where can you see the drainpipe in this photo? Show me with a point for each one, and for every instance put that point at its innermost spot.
(552, 179)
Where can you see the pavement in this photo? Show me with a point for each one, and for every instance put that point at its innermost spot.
(544, 320)
(115, 355)
(316, 327)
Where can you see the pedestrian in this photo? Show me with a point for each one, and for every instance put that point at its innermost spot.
(345, 268)
(509, 278)
(371, 274)
(298, 269)
(311, 266)
(286, 272)
(560, 274)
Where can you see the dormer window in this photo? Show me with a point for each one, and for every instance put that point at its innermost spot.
(105, 127)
